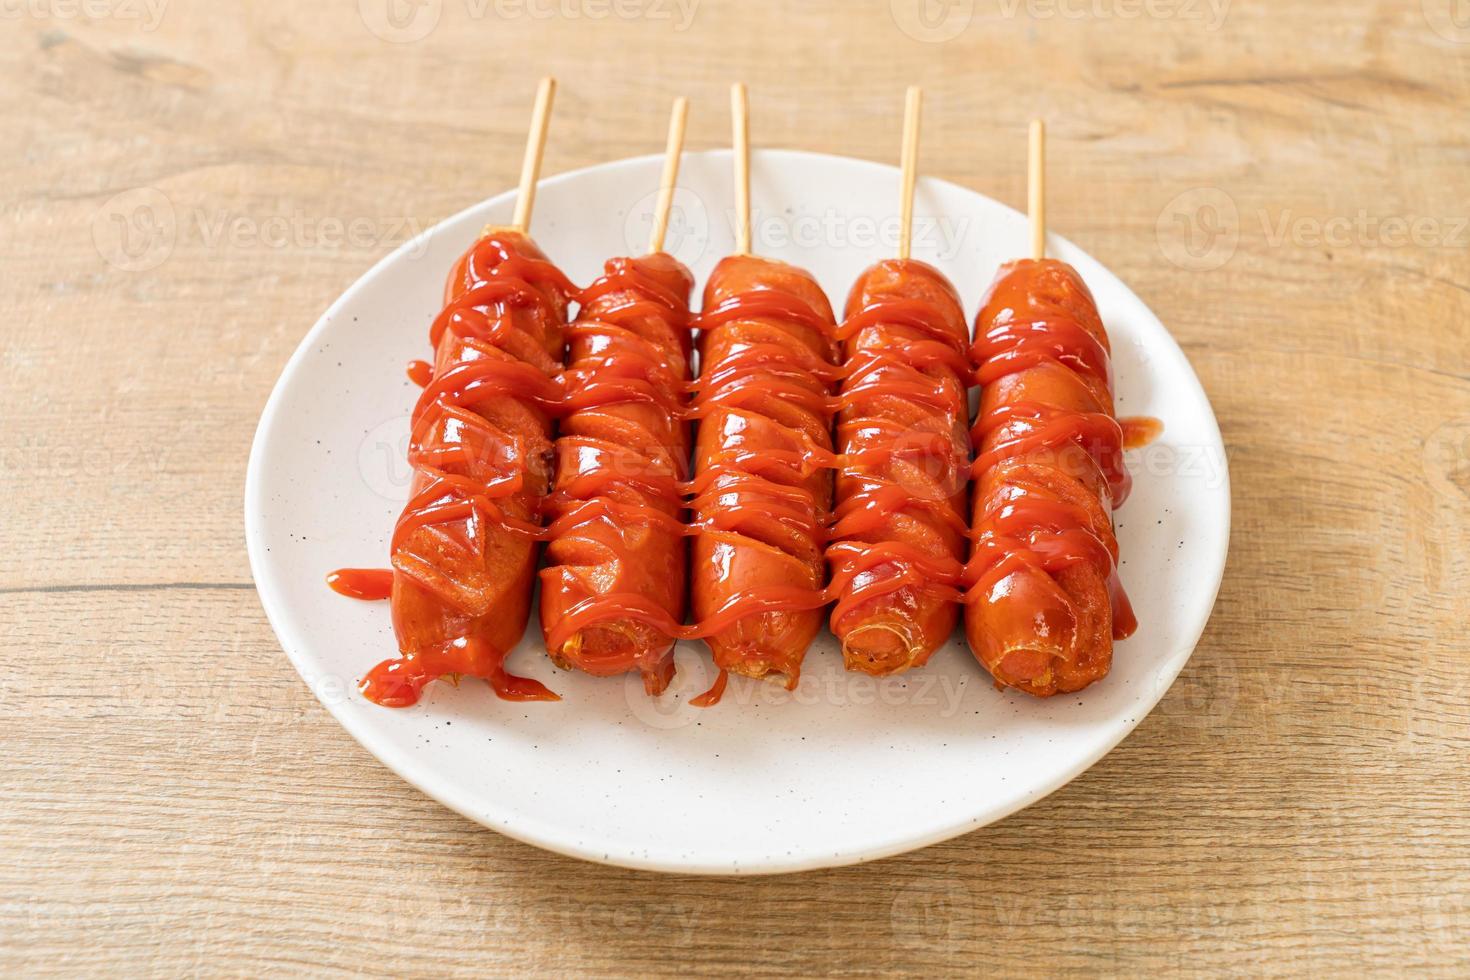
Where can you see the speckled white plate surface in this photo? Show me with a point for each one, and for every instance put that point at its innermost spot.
(846, 768)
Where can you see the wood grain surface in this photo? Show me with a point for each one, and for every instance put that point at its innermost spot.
(187, 185)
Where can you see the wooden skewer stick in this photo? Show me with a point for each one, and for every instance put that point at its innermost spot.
(1036, 189)
(912, 110)
(535, 146)
(672, 152)
(740, 123)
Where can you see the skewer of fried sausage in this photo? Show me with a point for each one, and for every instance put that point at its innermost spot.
(1045, 604)
(763, 489)
(617, 568)
(464, 549)
(899, 541)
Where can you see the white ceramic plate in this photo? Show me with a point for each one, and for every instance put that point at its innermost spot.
(847, 768)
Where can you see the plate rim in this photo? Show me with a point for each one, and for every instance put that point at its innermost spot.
(491, 815)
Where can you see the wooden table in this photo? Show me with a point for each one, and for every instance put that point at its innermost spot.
(1286, 186)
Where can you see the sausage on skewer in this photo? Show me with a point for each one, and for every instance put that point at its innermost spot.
(464, 549)
(1045, 604)
(613, 594)
(901, 530)
(762, 479)
(762, 455)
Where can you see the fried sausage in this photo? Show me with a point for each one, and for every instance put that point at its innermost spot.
(617, 560)
(464, 549)
(1045, 604)
(903, 432)
(762, 483)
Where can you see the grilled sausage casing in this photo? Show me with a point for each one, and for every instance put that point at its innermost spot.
(762, 455)
(465, 548)
(901, 492)
(1046, 603)
(617, 568)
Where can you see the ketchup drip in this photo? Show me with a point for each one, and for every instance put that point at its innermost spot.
(712, 697)
(1140, 430)
(420, 372)
(371, 584)
(397, 683)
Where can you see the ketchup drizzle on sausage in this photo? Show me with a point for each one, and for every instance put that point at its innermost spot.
(464, 546)
(763, 486)
(900, 532)
(617, 568)
(1045, 600)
